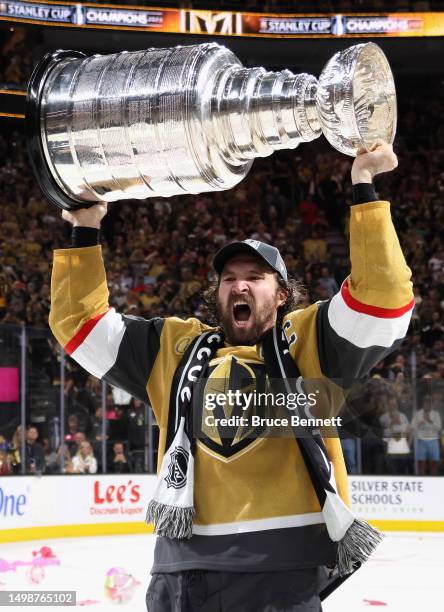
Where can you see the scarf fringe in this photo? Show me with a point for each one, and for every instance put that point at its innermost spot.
(358, 543)
(170, 521)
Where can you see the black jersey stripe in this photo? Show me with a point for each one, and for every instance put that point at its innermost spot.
(137, 353)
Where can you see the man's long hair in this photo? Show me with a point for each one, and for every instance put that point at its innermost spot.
(295, 295)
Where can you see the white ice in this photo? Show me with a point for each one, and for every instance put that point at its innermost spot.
(406, 574)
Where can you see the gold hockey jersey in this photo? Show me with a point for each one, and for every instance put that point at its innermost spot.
(256, 509)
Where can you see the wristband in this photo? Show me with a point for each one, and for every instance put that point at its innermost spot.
(84, 236)
(363, 193)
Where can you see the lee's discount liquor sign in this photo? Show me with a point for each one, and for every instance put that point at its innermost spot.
(32, 501)
(117, 498)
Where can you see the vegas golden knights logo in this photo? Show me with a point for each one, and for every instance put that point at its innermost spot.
(230, 374)
(177, 469)
(209, 22)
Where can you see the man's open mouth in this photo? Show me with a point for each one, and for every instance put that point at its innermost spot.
(241, 312)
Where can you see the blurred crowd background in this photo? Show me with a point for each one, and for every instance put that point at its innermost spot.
(158, 257)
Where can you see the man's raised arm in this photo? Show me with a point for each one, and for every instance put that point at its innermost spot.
(368, 318)
(122, 349)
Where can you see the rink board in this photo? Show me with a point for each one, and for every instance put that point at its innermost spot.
(34, 507)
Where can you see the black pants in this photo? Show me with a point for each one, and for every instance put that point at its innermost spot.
(206, 591)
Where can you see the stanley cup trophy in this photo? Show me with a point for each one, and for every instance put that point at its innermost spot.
(186, 120)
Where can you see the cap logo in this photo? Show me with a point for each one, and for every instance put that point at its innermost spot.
(254, 243)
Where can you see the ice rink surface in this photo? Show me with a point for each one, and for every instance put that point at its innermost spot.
(406, 574)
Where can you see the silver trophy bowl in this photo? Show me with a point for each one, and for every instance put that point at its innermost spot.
(187, 120)
(356, 99)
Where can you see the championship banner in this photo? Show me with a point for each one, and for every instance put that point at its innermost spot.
(162, 20)
(223, 23)
(38, 12)
(92, 16)
(298, 26)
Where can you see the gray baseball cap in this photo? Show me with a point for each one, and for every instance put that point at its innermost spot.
(266, 252)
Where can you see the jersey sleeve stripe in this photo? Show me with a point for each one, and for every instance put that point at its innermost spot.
(341, 360)
(374, 311)
(365, 330)
(83, 332)
(136, 355)
(98, 350)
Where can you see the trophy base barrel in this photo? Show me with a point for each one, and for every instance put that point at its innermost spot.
(48, 185)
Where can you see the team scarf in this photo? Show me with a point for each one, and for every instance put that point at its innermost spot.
(171, 509)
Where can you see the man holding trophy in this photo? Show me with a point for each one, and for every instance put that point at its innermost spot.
(251, 523)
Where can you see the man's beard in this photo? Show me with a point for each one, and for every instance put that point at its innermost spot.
(261, 322)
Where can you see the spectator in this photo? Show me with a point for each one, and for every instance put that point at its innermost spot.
(148, 298)
(370, 406)
(6, 468)
(427, 426)
(97, 425)
(96, 433)
(189, 284)
(51, 466)
(16, 449)
(315, 248)
(349, 432)
(78, 438)
(4, 443)
(396, 433)
(309, 211)
(84, 461)
(328, 282)
(136, 425)
(72, 429)
(114, 418)
(120, 463)
(399, 366)
(35, 455)
(68, 467)
(433, 330)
